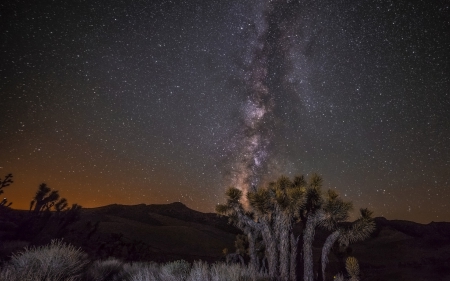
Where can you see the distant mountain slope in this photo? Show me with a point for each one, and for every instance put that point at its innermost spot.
(433, 229)
(153, 232)
(404, 250)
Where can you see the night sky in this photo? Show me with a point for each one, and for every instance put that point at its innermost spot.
(150, 102)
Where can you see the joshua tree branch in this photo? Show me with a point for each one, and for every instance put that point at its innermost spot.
(6, 182)
(331, 239)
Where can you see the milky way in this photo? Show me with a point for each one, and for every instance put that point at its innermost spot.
(273, 25)
(162, 101)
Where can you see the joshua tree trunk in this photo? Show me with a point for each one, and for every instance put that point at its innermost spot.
(251, 235)
(272, 253)
(326, 250)
(262, 227)
(283, 229)
(308, 238)
(293, 258)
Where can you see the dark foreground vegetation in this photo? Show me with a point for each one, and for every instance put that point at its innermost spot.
(173, 242)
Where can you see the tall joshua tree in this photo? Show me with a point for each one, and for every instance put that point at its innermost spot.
(312, 216)
(273, 211)
(320, 211)
(44, 199)
(287, 199)
(358, 231)
(241, 219)
(277, 208)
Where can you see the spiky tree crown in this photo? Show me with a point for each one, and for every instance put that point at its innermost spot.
(284, 194)
(313, 195)
(282, 185)
(360, 229)
(222, 209)
(315, 181)
(366, 213)
(45, 195)
(260, 200)
(336, 209)
(233, 194)
(43, 190)
(299, 181)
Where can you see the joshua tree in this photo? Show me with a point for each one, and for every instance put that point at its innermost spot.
(336, 211)
(273, 210)
(44, 199)
(312, 215)
(279, 204)
(5, 182)
(328, 212)
(358, 231)
(241, 219)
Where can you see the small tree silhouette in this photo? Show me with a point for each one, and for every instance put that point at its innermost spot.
(44, 199)
(5, 182)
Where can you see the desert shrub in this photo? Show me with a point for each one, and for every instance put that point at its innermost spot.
(143, 271)
(175, 271)
(199, 272)
(61, 262)
(107, 270)
(56, 261)
(224, 272)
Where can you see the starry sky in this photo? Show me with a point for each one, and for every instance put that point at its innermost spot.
(151, 101)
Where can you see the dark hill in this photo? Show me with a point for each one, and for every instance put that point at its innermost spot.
(176, 210)
(153, 232)
(431, 230)
(404, 250)
(397, 250)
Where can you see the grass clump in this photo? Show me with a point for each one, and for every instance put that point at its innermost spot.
(56, 261)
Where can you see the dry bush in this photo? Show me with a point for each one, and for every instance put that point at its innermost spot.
(224, 272)
(56, 261)
(199, 271)
(175, 271)
(143, 271)
(107, 270)
(62, 262)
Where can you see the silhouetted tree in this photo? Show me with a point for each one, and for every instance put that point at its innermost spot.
(7, 181)
(45, 198)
